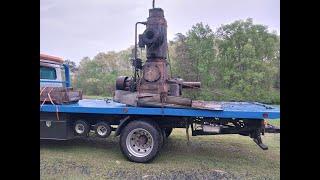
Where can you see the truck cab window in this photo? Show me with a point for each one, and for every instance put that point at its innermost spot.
(48, 73)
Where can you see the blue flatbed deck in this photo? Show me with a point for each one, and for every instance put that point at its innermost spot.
(243, 110)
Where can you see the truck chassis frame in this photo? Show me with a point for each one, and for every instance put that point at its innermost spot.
(150, 126)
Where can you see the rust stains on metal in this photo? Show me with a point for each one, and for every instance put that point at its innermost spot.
(123, 82)
(210, 105)
(51, 58)
(125, 110)
(59, 95)
(151, 85)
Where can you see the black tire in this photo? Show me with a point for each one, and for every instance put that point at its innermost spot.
(164, 136)
(81, 128)
(102, 129)
(168, 131)
(127, 134)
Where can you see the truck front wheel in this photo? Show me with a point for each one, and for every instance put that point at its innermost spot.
(140, 141)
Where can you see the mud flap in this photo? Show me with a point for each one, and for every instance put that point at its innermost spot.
(257, 139)
(123, 122)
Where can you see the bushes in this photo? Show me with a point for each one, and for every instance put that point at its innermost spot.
(240, 61)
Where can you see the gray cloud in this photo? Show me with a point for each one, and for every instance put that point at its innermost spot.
(76, 28)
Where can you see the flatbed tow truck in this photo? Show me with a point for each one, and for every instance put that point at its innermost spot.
(145, 107)
(143, 130)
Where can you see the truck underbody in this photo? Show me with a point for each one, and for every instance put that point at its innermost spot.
(67, 121)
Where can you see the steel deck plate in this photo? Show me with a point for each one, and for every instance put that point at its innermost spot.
(244, 110)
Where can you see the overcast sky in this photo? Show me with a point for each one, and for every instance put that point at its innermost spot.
(74, 29)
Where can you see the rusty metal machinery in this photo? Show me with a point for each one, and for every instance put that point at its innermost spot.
(151, 84)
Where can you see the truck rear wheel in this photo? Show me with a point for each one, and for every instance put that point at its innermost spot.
(140, 141)
(81, 128)
(102, 129)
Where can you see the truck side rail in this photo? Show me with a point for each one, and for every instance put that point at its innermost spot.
(237, 110)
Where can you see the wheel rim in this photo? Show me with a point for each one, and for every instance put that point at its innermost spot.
(79, 128)
(139, 142)
(102, 130)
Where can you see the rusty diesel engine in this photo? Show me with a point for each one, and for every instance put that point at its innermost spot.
(151, 85)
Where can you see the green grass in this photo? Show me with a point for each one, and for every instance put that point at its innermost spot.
(223, 156)
(275, 122)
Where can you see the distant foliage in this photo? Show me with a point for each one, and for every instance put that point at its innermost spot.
(97, 76)
(72, 65)
(239, 61)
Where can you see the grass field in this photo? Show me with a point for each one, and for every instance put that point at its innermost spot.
(204, 157)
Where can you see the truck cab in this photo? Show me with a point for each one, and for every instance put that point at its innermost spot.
(53, 72)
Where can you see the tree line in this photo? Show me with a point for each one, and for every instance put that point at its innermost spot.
(239, 61)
